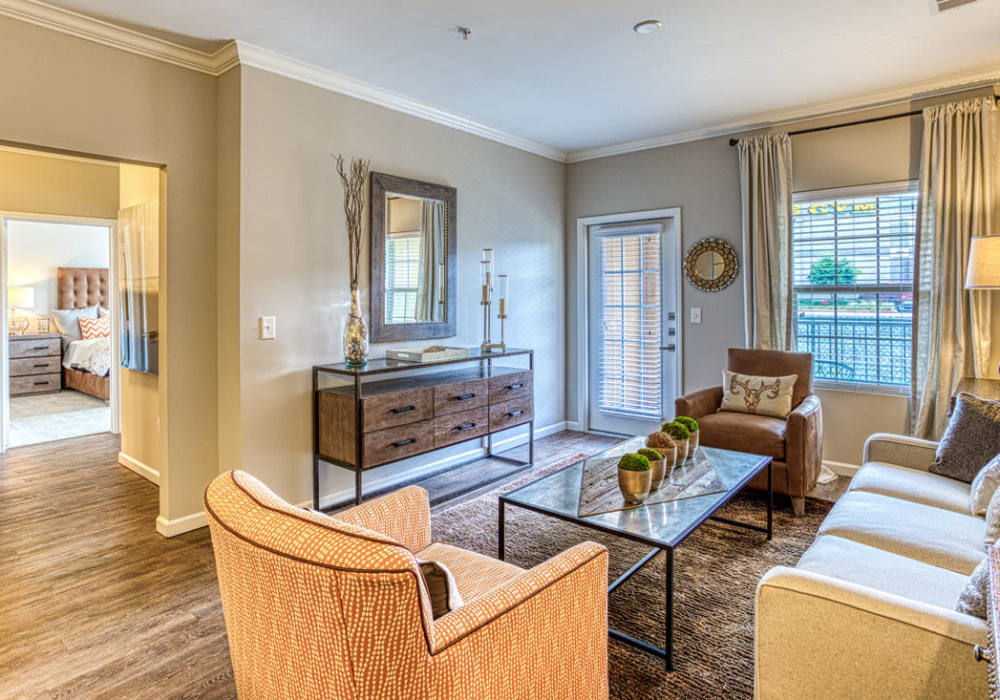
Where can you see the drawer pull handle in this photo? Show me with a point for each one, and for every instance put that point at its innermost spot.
(465, 426)
(40, 347)
(514, 414)
(42, 383)
(402, 409)
(512, 387)
(401, 443)
(42, 364)
(465, 397)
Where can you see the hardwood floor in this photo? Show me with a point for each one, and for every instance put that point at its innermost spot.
(94, 603)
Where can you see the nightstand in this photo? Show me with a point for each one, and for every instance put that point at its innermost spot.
(35, 363)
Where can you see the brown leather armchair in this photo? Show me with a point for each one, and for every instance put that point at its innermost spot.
(796, 444)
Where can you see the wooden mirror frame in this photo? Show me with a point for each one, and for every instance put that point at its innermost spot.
(729, 257)
(382, 332)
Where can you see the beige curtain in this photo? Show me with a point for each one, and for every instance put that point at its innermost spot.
(766, 194)
(958, 200)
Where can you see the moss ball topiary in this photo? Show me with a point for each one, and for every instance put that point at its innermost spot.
(690, 423)
(650, 454)
(634, 463)
(677, 431)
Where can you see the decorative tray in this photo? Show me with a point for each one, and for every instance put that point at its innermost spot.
(433, 353)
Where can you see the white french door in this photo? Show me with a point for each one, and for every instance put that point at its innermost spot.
(633, 329)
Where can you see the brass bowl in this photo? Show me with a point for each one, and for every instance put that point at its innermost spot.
(635, 486)
(657, 472)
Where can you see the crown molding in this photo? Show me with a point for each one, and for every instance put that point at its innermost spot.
(101, 32)
(923, 89)
(263, 59)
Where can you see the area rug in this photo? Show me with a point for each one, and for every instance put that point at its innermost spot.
(715, 575)
(64, 414)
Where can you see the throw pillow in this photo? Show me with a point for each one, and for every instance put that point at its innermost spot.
(992, 520)
(971, 440)
(441, 587)
(764, 396)
(984, 485)
(972, 599)
(67, 321)
(95, 327)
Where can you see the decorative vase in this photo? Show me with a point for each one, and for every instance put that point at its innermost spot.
(635, 485)
(682, 450)
(669, 457)
(355, 335)
(693, 442)
(657, 471)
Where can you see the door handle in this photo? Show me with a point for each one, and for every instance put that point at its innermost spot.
(670, 347)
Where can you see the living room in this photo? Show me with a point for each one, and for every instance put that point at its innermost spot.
(832, 195)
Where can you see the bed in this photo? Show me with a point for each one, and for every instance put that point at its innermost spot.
(78, 288)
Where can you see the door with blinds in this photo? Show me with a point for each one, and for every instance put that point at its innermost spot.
(634, 350)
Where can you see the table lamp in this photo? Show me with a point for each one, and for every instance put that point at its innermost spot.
(20, 298)
(984, 263)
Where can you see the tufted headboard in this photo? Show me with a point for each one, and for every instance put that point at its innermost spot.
(80, 287)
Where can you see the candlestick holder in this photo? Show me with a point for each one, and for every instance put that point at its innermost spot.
(486, 280)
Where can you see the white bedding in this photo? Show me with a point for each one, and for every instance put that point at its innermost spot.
(93, 355)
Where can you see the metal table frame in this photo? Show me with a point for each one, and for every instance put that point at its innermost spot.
(665, 653)
(356, 374)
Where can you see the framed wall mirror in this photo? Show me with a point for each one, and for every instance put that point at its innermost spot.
(711, 264)
(413, 261)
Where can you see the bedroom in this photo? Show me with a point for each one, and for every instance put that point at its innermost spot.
(81, 269)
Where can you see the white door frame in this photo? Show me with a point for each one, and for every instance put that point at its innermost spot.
(583, 225)
(115, 383)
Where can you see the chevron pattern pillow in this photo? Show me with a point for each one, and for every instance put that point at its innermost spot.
(95, 327)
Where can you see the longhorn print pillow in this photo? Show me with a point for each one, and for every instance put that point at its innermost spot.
(763, 396)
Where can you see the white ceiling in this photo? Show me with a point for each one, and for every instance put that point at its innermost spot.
(573, 75)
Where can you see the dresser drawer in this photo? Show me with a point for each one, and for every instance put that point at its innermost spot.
(396, 443)
(400, 408)
(459, 427)
(508, 387)
(510, 413)
(41, 365)
(35, 384)
(33, 347)
(460, 396)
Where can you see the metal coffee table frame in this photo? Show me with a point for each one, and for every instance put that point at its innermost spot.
(665, 653)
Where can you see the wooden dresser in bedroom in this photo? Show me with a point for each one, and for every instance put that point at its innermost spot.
(35, 364)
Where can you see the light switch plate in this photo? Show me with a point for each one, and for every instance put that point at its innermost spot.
(695, 314)
(266, 327)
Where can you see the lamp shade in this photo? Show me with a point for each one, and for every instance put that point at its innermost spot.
(984, 263)
(21, 297)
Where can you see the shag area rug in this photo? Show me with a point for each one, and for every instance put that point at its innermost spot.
(716, 571)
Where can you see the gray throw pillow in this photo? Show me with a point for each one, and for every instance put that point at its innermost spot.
(972, 599)
(984, 486)
(971, 440)
(992, 520)
(67, 321)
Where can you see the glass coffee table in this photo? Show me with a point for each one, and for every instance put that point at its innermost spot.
(662, 526)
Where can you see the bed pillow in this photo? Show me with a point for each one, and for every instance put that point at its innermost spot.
(764, 396)
(971, 440)
(95, 327)
(67, 321)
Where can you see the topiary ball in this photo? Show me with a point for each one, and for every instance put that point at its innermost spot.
(660, 439)
(650, 454)
(634, 463)
(690, 423)
(677, 431)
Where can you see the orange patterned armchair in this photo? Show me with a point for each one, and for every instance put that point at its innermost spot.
(336, 607)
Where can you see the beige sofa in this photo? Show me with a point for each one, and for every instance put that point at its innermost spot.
(869, 610)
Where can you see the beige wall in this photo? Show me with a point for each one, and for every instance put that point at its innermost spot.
(703, 179)
(140, 396)
(47, 185)
(294, 264)
(135, 108)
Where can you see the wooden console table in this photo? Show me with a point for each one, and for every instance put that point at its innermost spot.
(375, 420)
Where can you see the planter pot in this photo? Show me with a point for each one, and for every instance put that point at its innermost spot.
(693, 440)
(682, 450)
(635, 485)
(657, 471)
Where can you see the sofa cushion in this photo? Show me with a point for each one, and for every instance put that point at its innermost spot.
(912, 485)
(761, 435)
(884, 571)
(932, 535)
(971, 440)
(474, 573)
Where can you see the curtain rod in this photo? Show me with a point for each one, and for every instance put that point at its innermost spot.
(872, 120)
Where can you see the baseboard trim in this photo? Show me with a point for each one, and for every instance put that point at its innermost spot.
(575, 426)
(140, 468)
(841, 468)
(345, 496)
(178, 526)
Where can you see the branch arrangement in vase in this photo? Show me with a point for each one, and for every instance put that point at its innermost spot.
(356, 331)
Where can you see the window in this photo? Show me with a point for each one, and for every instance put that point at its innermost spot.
(852, 273)
(402, 273)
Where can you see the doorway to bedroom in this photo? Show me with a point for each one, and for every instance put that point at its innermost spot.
(61, 319)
